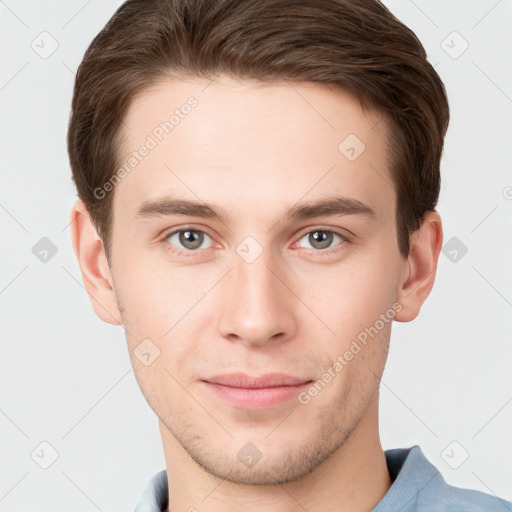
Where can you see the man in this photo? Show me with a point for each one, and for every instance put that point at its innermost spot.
(258, 183)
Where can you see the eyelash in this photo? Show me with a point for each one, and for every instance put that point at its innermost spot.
(192, 252)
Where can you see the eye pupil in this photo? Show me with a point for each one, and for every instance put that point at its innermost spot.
(324, 239)
(191, 239)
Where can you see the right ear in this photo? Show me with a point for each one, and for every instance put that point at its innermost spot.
(93, 263)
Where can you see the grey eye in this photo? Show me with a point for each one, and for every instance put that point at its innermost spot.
(189, 239)
(321, 239)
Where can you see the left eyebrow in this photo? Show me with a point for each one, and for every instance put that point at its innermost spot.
(331, 206)
(167, 206)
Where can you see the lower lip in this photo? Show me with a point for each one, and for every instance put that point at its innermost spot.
(257, 398)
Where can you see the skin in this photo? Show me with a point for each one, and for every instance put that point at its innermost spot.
(256, 151)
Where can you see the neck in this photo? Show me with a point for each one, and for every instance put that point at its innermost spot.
(353, 478)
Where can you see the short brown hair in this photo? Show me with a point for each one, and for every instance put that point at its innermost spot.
(357, 45)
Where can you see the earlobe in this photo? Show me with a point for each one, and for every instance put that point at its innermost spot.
(420, 268)
(93, 264)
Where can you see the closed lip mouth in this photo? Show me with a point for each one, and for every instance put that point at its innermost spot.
(269, 380)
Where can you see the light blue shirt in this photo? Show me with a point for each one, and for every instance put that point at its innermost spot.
(417, 487)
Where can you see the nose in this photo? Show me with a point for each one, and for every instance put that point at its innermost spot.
(257, 304)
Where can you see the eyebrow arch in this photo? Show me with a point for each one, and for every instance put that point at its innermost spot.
(167, 206)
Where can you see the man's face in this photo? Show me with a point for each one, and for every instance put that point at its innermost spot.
(256, 291)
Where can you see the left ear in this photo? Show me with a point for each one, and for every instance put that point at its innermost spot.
(420, 268)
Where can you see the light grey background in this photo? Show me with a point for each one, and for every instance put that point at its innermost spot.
(65, 377)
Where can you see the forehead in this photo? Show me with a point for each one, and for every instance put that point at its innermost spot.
(247, 144)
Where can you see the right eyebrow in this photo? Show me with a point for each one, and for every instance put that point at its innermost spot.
(167, 206)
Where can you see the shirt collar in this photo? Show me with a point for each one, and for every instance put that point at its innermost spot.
(411, 472)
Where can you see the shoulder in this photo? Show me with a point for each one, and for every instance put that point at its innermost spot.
(155, 496)
(418, 486)
(457, 499)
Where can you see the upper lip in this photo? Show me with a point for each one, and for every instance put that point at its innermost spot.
(242, 380)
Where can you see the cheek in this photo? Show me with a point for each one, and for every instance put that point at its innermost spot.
(350, 296)
(152, 297)
(171, 309)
